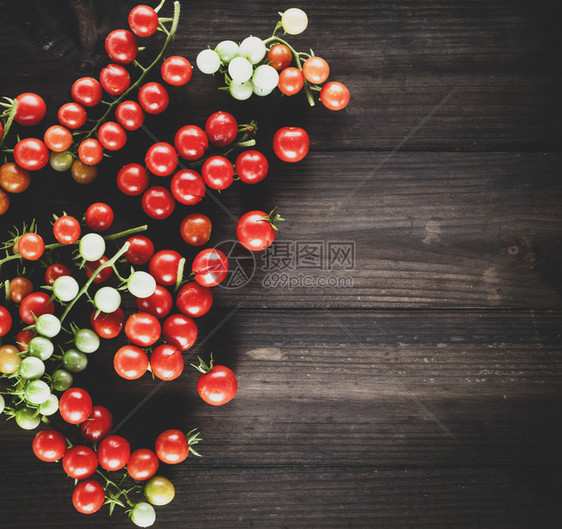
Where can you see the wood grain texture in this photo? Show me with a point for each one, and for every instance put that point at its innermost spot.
(321, 434)
(399, 59)
(428, 394)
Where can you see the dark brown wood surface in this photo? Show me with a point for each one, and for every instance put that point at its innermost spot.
(428, 393)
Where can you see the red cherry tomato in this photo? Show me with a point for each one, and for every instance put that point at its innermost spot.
(194, 300)
(80, 462)
(91, 266)
(114, 452)
(49, 445)
(5, 321)
(280, 57)
(129, 115)
(57, 138)
(4, 202)
(132, 179)
(13, 178)
(221, 128)
(159, 304)
(75, 405)
(180, 331)
(195, 229)
(31, 154)
(112, 136)
(88, 497)
(140, 250)
(172, 447)
(107, 325)
(19, 288)
(217, 172)
(291, 144)
(66, 229)
(142, 464)
(218, 386)
(130, 362)
(121, 46)
(210, 267)
(55, 271)
(142, 329)
(251, 167)
(99, 217)
(143, 21)
(158, 203)
(31, 109)
(315, 70)
(191, 142)
(98, 425)
(114, 79)
(164, 267)
(34, 305)
(90, 152)
(166, 362)
(188, 187)
(31, 246)
(23, 338)
(72, 115)
(254, 231)
(291, 81)
(86, 91)
(161, 159)
(153, 98)
(176, 70)
(334, 95)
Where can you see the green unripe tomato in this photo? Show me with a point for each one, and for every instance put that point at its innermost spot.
(75, 361)
(41, 348)
(61, 161)
(143, 514)
(62, 380)
(65, 288)
(159, 490)
(2, 404)
(107, 299)
(37, 392)
(50, 406)
(48, 325)
(91, 247)
(27, 418)
(32, 368)
(86, 341)
(227, 50)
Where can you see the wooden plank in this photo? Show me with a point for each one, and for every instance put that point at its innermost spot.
(312, 497)
(429, 229)
(321, 434)
(399, 60)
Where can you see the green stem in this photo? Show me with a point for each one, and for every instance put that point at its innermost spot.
(296, 55)
(84, 289)
(179, 277)
(126, 233)
(54, 245)
(9, 121)
(145, 71)
(157, 8)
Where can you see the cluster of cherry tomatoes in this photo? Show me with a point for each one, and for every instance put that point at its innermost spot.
(67, 145)
(100, 448)
(38, 373)
(188, 186)
(252, 68)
